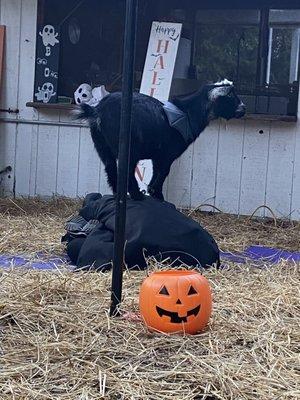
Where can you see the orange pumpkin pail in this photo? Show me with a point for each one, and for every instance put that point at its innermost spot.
(176, 301)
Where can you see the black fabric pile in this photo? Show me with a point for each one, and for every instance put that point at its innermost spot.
(153, 228)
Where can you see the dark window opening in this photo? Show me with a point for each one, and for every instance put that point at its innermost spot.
(257, 47)
(263, 64)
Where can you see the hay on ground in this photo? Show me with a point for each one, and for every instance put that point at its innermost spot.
(30, 226)
(57, 341)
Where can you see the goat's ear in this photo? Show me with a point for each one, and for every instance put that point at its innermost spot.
(218, 92)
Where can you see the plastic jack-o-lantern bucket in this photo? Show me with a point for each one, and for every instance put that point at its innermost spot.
(176, 301)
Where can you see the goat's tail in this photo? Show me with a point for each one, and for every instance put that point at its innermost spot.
(85, 112)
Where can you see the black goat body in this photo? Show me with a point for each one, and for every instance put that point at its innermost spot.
(152, 137)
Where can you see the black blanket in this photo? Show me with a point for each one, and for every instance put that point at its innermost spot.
(153, 228)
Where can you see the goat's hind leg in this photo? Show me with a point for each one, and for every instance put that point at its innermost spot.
(110, 167)
(110, 164)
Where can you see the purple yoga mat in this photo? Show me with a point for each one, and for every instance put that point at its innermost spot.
(256, 254)
(261, 254)
(42, 262)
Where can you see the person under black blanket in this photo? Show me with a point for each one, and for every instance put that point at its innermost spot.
(153, 228)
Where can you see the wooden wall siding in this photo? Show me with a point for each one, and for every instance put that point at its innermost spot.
(235, 166)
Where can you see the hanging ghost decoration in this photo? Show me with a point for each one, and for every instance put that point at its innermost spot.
(49, 36)
(45, 92)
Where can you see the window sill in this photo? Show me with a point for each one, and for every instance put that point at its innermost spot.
(269, 117)
(252, 117)
(53, 106)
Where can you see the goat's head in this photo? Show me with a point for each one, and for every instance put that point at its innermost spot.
(224, 103)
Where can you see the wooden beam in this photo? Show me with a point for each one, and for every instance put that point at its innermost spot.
(2, 43)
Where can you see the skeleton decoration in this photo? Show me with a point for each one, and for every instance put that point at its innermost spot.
(45, 93)
(85, 94)
(49, 36)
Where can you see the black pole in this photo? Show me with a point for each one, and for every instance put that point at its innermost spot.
(124, 150)
(262, 59)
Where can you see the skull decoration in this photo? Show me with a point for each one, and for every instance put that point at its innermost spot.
(45, 93)
(49, 36)
(176, 301)
(83, 94)
(97, 95)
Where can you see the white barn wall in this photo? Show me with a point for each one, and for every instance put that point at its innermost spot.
(235, 166)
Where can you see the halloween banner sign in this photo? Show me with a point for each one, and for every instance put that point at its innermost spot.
(47, 59)
(157, 76)
(160, 59)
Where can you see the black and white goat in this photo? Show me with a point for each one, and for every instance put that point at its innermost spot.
(154, 136)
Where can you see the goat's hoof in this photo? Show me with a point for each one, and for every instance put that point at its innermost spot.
(137, 196)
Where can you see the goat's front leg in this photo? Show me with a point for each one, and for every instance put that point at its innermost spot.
(162, 171)
(133, 186)
(155, 172)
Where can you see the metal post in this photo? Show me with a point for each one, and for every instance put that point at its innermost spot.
(124, 151)
(263, 50)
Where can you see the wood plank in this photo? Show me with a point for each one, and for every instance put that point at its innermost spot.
(229, 165)
(203, 186)
(27, 58)
(7, 158)
(33, 159)
(255, 117)
(67, 167)
(2, 44)
(47, 153)
(179, 183)
(23, 159)
(295, 203)
(11, 17)
(254, 167)
(280, 169)
(89, 165)
(54, 106)
(270, 117)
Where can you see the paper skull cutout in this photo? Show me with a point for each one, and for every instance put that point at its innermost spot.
(83, 93)
(49, 36)
(45, 93)
(97, 95)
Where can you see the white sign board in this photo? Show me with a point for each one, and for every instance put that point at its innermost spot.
(160, 59)
(157, 76)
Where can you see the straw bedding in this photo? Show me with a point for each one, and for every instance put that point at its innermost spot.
(57, 342)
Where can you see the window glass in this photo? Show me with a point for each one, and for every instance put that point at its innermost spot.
(284, 45)
(227, 46)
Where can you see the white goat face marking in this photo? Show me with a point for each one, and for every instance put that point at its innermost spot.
(45, 93)
(222, 89)
(224, 82)
(49, 36)
(83, 93)
(217, 92)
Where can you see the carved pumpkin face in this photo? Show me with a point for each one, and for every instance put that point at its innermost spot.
(174, 301)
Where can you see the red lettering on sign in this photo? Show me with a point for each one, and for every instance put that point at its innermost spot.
(155, 73)
(152, 90)
(162, 45)
(139, 173)
(159, 62)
